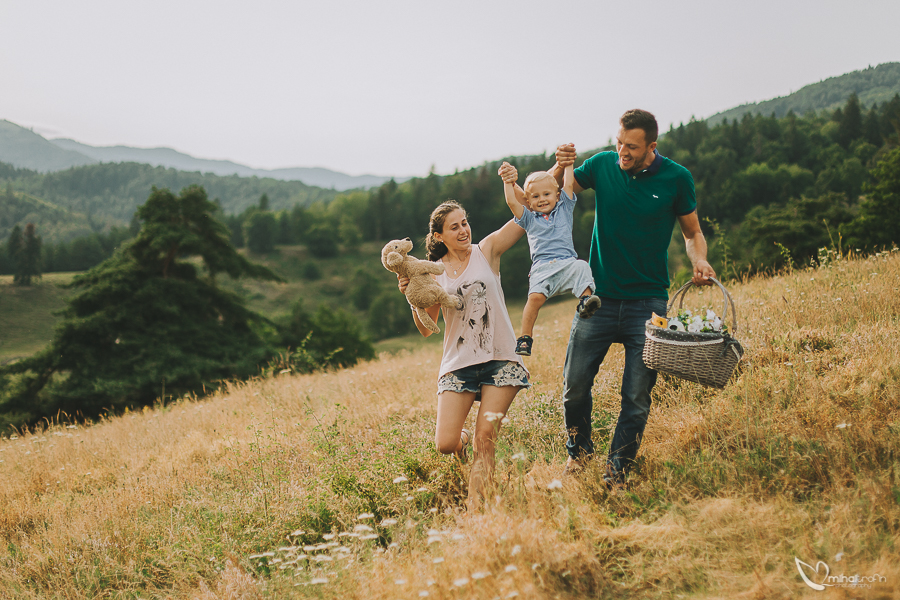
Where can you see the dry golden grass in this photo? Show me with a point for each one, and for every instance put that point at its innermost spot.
(328, 485)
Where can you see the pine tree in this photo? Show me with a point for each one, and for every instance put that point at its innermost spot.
(878, 224)
(851, 125)
(260, 231)
(28, 258)
(14, 246)
(147, 321)
(872, 127)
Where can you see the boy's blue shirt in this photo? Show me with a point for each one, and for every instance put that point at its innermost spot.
(550, 236)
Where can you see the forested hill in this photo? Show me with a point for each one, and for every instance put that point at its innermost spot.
(96, 197)
(873, 85)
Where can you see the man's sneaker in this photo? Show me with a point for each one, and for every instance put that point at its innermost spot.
(574, 466)
(614, 481)
(587, 306)
(523, 345)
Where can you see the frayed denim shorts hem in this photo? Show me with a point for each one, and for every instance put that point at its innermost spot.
(498, 373)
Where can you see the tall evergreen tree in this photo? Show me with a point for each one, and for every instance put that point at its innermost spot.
(14, 246)
(872, 127)
(148, 321)
(28, 259)
(260, 232)
(878, 224)
(851, 123)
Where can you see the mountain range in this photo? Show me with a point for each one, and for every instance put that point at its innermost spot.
(874, 84)
(25, 149)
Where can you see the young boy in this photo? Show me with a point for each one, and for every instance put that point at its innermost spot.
(555, 266)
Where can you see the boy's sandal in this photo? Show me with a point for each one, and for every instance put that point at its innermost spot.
(523, 345)
(465, 437)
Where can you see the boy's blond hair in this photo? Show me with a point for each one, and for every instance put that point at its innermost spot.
(536, 177)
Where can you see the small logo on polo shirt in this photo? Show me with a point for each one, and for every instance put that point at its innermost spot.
(655, 196)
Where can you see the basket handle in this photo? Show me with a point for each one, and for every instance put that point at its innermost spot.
(682, 291)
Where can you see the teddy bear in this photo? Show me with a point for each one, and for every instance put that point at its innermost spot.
(422, 291)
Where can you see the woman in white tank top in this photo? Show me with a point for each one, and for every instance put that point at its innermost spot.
(479, 356)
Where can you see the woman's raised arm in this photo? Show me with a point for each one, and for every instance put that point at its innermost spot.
(495, 244)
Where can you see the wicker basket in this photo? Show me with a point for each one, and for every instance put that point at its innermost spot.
(705, 358)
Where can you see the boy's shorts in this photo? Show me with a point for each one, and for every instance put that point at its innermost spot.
(560, 275)
(499, 373)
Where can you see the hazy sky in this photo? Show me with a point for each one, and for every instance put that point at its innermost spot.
(394, 87)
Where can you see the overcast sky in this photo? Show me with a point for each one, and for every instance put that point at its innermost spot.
(394, 87)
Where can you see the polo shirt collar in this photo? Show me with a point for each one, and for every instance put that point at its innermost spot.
(654, 166)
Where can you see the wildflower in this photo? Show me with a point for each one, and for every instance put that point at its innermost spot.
(297, 532)
(511, 568)
(554, 485)
(438, 560)
(423, 594)
(839, 556)
(370, 536)
(434, 539)
(400, 479)
(399, 582)
(512, 594)
(505, 420)
(518, 456)
(365, 516)
(388, 522)
(318, 580)
(842, 425)
(480, 575)
(516, 549)
(363, 528)
(694, 327)
(328, 536)
(493, 416)
(422, 489)
(461, 582)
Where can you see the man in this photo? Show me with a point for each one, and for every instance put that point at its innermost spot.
(639, 195)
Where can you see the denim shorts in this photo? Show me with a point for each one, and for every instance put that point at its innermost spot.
(499, 373)
(561, 275)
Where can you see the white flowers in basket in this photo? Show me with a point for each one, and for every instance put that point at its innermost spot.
(700, 323)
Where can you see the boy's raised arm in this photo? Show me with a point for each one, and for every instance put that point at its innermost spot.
(568, 166)
(509, 175)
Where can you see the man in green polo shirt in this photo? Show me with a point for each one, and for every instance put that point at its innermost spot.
(639, 195)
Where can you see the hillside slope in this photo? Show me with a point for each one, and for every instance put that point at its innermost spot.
(26, 149)
(167, 157)
(328, 485)
(874, 84)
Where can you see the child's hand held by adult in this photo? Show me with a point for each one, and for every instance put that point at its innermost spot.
(508, 173)
(565, 155)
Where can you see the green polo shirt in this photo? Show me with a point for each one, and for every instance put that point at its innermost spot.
(633, 221)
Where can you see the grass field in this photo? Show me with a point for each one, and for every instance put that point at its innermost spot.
(26, 314)
(328, 485)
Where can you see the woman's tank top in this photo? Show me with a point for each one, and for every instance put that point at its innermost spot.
(481, 331)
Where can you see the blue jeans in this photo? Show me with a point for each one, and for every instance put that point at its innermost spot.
(616, 322)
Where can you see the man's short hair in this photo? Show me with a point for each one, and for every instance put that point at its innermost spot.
(641, 119)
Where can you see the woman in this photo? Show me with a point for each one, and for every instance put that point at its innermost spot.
(479, 357)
